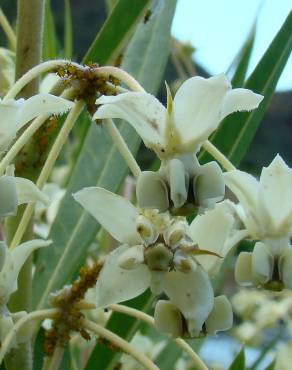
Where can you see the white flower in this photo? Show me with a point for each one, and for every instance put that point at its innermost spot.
(267, 216)
(155, 252)
(15, 191)
(268, 202)
(196, 111)
(176, 133)
(16, 113)
(169, 319)
(11, 263)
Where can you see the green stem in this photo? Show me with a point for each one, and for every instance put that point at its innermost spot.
(46, 170)
(28, 54)
(8, 30)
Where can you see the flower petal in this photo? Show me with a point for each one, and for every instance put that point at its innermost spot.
(275, 194)
(192, 293)
(246, 189)
(151, 191)
(243, 269)
(132, 257)
(168, 319)
(115, 213)
(28, 192)
(197, 105)
(8, 196)
(41, 104)
(240, 100)
(16, 113)
(115, 284)
(13, 263)
(285, 263)
(143, 111)
(211, 231)
(209, 186)
(262, 263)
(221, 316)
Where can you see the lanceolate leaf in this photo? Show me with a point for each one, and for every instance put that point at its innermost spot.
(243, 59)
(68, 30)
(74, 229)
(49, 35)
(237, 130)
(239, 361)
(116, 31)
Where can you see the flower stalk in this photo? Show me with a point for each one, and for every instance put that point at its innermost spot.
(8, 30)
(44, 175)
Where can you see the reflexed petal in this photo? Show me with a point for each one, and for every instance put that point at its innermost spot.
(192, 293)
(285, 268)
(209, 187)
(115, 284)
(16, 113)
(8, 196)
(197, 105)
(13, 263)
(151, 191)
(210, 231)
(246, 189)
(41, 104)
(262, 263)
(275, 194)
(168, 319)
(221, 316)
(28, 192)
(143, 111)
(115, 213)
(240, 100)
(177, 183)
(243, 269)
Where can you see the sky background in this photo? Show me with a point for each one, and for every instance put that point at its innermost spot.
(218, 28)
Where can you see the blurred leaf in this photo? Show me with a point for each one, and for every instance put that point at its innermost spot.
(271, 366)
(116, 31)
(74, 229)
(243, 58)
(237, 130)
(49, 35)
(68, 31)
(38, 350)
(239, 361)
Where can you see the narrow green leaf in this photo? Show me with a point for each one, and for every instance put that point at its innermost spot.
(74, 229)
(68, 30)
(243, 58)
(237, 130)
(239, 361)
(271, 366)
(49, 35)
(116, 31)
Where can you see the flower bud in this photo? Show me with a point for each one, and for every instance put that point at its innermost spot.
(262, 263)
(8, 196)
(177, 183)
(168, 319)
(243, 271)
(146, 230)
(209, 186)
(175, 233)
(221, 316)
(158, 257)
(132, 257)
(151, 191)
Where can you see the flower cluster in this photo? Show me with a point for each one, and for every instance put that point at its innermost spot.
(164, 252)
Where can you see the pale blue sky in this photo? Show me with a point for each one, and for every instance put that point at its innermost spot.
(218, 28)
